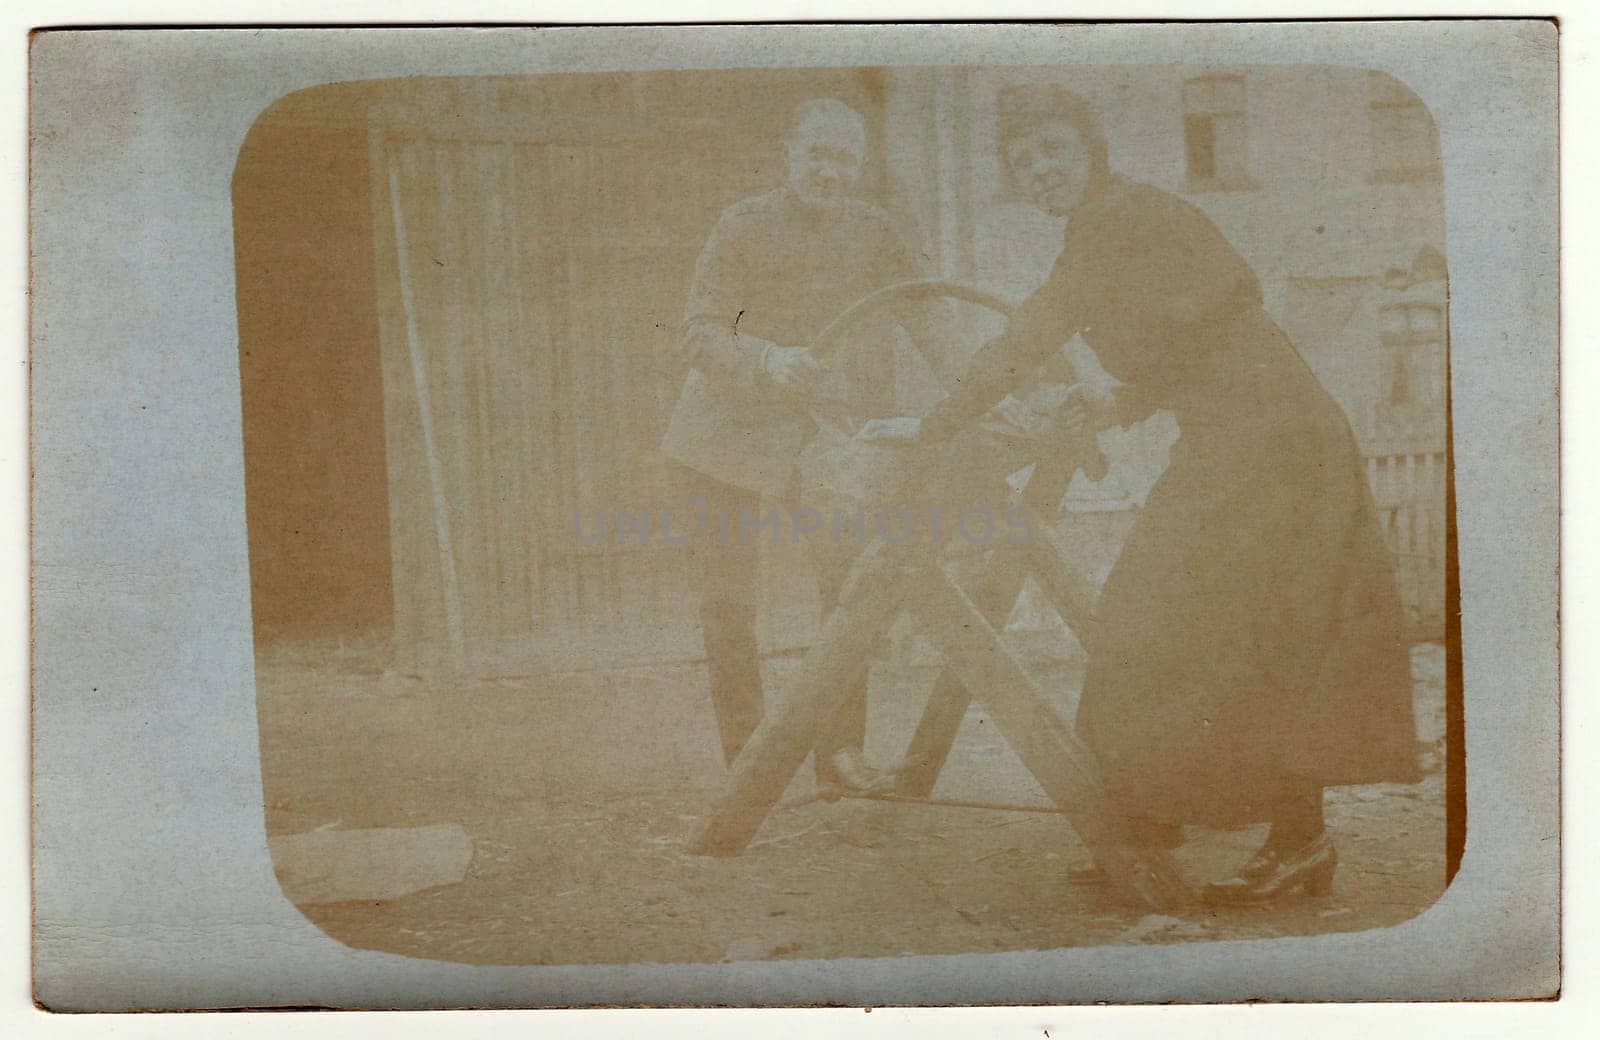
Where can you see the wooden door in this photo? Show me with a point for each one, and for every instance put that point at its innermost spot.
(535, 241)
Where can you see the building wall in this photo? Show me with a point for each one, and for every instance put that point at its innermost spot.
(1315, 213)
(316, 495)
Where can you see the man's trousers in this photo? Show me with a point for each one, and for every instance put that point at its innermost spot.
(727, 559)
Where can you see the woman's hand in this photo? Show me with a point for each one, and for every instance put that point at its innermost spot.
(902, 432)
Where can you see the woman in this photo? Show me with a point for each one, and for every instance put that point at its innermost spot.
(1248, 650)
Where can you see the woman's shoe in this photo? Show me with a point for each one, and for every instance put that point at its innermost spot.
(1310, 869)
(1093, 874)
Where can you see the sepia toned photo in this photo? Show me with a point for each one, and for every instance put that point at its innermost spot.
(794, 516)
(815, 513)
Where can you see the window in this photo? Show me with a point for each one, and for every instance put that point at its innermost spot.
(1412, 335)
(1405, 142)
(1216, 151)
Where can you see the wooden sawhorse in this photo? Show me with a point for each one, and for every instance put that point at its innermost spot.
(886, 579)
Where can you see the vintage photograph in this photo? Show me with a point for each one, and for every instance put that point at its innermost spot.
(809, 513)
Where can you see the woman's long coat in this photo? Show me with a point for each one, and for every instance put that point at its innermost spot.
(1249, 643)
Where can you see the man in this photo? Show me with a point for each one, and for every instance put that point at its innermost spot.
(776, 269)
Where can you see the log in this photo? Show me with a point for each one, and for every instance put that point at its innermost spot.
(369, 864)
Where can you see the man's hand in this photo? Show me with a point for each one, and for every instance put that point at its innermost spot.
(792, 370)
(1087, 408)
(902, 432)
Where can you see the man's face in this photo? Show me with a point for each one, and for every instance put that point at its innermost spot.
(825, 157)
(1051, 165)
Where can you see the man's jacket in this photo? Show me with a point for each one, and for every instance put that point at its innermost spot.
(774, 273)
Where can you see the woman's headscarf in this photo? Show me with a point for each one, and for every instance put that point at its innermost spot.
(1024, 107)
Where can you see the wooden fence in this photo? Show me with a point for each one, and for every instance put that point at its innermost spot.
(1408, 487)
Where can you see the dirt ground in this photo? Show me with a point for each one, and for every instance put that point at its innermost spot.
(579, 793)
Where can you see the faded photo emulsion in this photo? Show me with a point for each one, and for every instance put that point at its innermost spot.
(809, 513)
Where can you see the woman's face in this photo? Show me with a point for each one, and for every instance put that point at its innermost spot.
(1052, 166)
